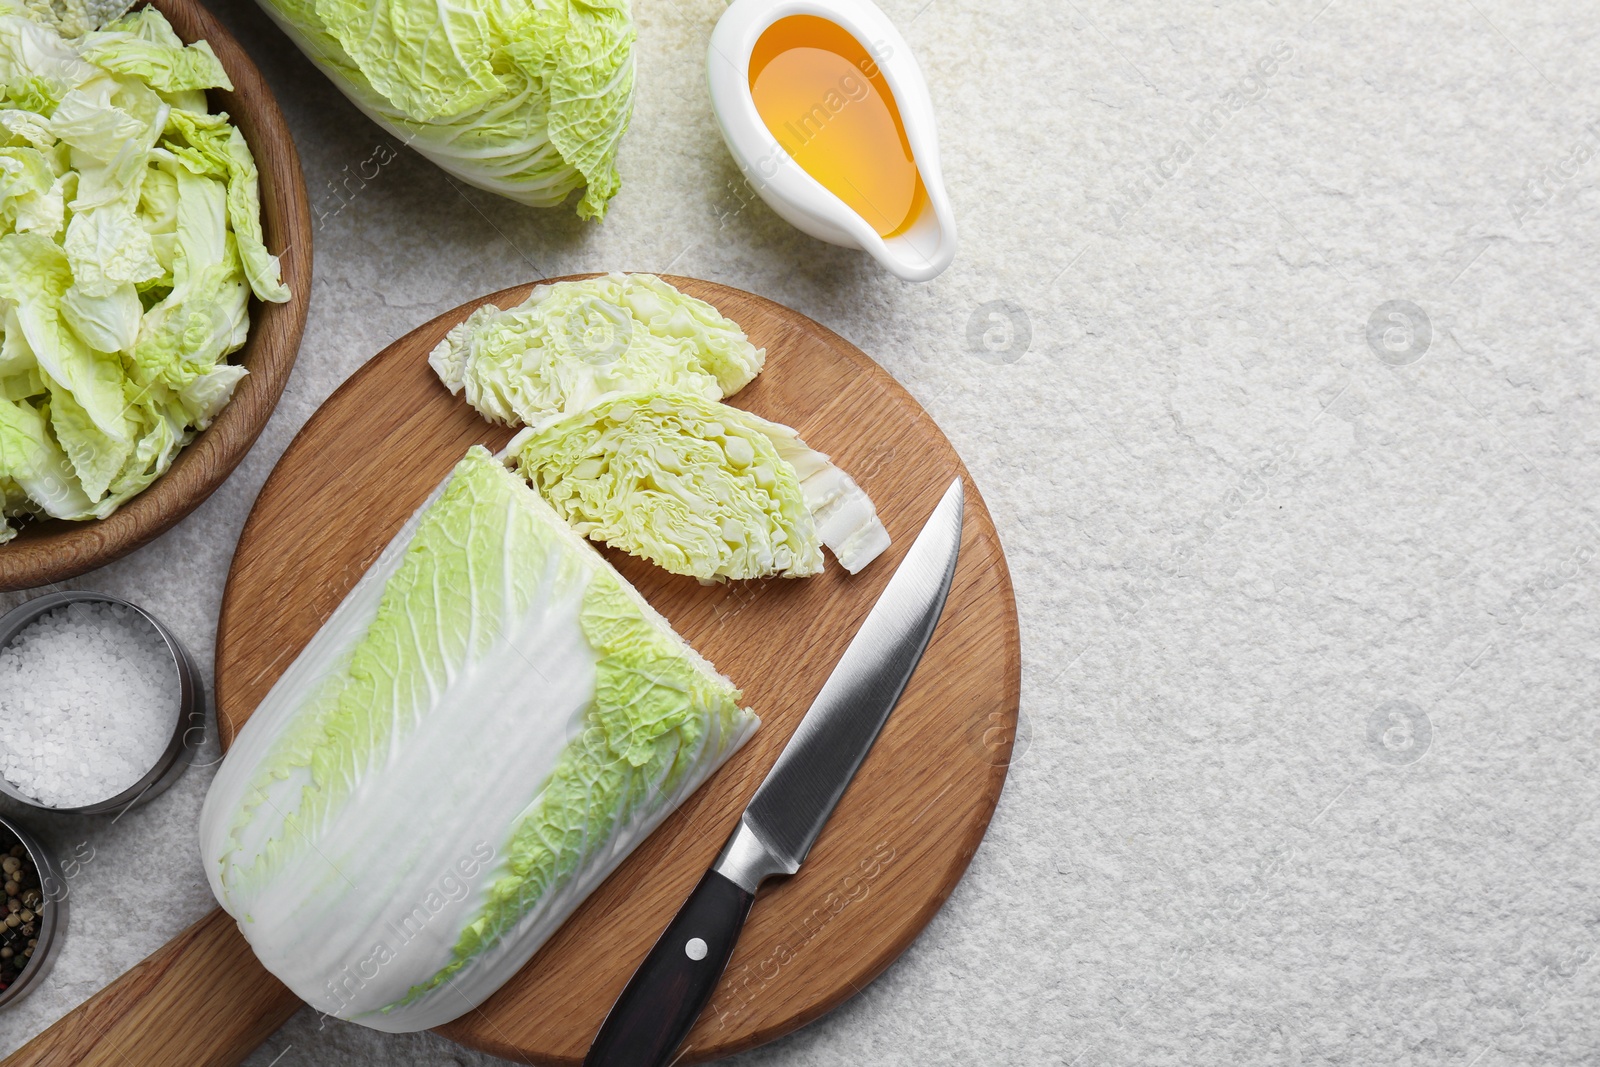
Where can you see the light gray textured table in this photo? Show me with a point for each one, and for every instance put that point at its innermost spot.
(1307, 579)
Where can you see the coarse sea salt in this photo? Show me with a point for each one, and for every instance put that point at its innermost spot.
(88, 702)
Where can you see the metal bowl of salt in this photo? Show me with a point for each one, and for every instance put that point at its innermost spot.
(101, 707)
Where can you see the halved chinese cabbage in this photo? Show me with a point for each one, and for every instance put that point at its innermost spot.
(572, 342)
(481, 732)
(700, 488)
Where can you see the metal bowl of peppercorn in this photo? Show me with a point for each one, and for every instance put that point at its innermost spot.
(35, 920)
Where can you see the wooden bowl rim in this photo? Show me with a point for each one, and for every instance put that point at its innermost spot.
(45, 552)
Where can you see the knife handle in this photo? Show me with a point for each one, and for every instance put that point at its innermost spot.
(671, 987)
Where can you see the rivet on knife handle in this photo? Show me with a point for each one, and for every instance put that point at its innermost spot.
(666, 994)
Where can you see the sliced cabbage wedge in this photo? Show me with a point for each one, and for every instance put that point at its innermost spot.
(485, 727)
(616, 380)
(570, 343)
(699, 488)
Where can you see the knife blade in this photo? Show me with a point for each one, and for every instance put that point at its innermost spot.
(666, 994)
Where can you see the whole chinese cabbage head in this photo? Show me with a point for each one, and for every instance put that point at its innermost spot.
(528, 100)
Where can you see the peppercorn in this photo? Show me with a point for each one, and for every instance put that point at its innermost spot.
(24, 903)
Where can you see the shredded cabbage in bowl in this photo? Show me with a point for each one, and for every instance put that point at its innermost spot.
(130, 244)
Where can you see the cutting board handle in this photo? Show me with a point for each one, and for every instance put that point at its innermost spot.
(202, 1001)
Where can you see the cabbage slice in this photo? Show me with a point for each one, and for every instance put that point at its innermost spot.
(572, 342)
(486, 726)
(617, 380)
(699, 488)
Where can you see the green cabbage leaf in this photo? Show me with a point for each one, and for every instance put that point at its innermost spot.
(34, 472)
(144, 46)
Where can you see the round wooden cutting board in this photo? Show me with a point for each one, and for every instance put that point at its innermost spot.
(907, 827)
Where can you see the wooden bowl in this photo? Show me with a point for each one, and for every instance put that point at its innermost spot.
(55, 550)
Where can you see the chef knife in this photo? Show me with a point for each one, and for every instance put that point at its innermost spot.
(666, 994)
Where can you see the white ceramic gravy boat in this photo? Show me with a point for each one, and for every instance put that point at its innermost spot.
(921, 249)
